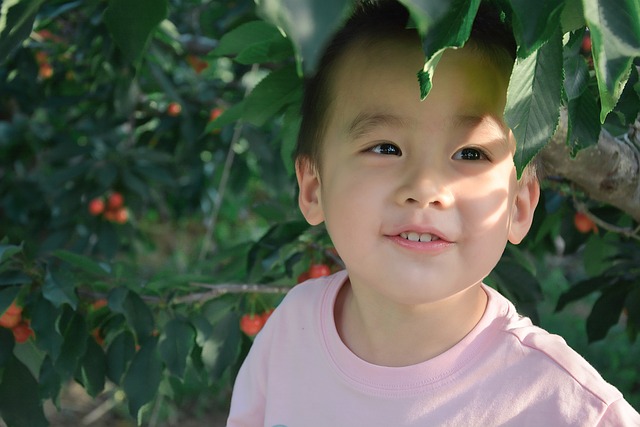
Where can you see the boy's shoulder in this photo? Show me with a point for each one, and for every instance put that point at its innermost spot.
(539, 349)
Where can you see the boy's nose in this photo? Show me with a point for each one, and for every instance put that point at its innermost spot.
(424, 186)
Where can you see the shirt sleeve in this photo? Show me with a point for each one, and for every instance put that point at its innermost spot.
(620, 414)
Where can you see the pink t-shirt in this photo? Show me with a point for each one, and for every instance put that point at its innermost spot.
(505, 372)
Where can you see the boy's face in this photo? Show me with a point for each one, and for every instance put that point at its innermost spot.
(395, 169)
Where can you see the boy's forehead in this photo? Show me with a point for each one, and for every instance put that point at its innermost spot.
(382, 74)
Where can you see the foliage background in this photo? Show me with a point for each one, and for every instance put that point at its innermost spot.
(213, 231)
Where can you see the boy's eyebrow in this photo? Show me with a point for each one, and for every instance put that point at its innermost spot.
(366, 122)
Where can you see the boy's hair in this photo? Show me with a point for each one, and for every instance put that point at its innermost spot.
(376, 20)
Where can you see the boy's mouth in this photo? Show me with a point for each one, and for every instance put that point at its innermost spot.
(418, 237)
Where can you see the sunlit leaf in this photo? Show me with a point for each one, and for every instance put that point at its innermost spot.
(615, 35)
(534, 23)
(451, 30)
(176, 345)
(16, 22)
(533, 100)
(308, 23)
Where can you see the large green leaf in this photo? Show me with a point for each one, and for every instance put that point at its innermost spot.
(534, 23)
(119, 354)
(16, 22)
(176, 345)
(606, 311)
(254, 42)
(59, 288)
(451, 30)
(92, 368)
(131, 24)
(82, 262)
(308, 23)
(20, 404)
(533, 100)
(74, 333)
(280, 88)
(615, 35)
(143, 377)
(137, 313)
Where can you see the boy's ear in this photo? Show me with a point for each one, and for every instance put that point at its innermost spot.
(525, 205)
(309, 197)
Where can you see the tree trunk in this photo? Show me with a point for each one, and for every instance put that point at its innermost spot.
(608, 172)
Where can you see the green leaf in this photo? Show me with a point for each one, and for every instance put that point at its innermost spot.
(49, 380)
(16, 23)
(220, 341)
(13, 277)
(20, 404)
(583, 125)
(254, 42)
(6, 347)
(427, 13)
(44, 318)
(581, 290)
(82, 262)
(289, 136)
(74, 340)
(7, 296)
(266, 251)
(92, 368)
(519, 285)
(131, 24)
(572, 16)
(633, 307)
(615, 36)
(176, 345)
(606, 311)
(119, 354)
(576, 70)
(143, 377)
(280, 88)
(452, 30)
(534, 23)
(308, 23)
(533, 100)
(8, 251)
(59, 289)
(137, 313)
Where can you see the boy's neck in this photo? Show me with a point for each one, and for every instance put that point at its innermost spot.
(389, 335)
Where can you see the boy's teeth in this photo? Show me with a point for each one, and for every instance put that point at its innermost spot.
(416, 237)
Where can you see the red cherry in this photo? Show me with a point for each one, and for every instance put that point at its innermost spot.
(174, 109)
(583, 223)
(14, 309)
(99, 303)
(96, 206)
(586, 44)
(251, 324)
(22, 332)
(319, 270)
(10, 321)
(115, 201)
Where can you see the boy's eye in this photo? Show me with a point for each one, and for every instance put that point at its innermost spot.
(469, 154)
(386, 148)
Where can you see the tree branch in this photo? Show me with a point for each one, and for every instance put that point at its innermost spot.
(608, 172)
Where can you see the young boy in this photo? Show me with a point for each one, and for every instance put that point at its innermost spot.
(420, 199)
